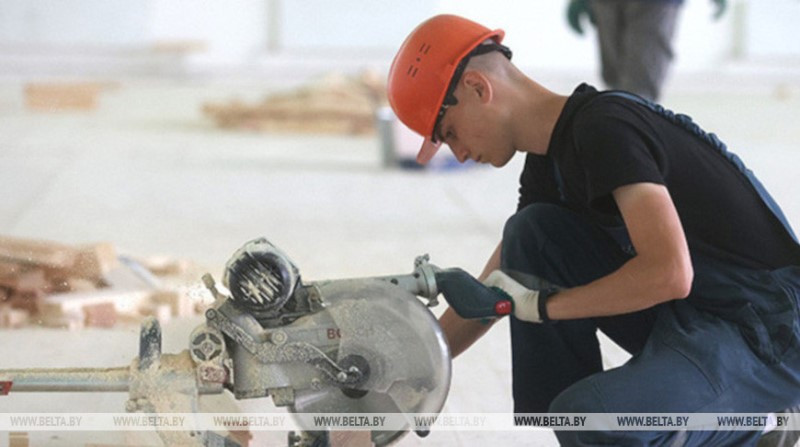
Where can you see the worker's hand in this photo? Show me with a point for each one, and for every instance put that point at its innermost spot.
(720, 6)
(575, 10)
(526, 301)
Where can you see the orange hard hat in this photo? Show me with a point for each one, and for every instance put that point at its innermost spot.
(423, 69)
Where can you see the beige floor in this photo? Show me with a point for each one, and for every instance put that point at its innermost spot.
(149, 173)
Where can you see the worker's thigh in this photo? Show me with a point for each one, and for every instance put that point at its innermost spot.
(564, 248)
(692, 362)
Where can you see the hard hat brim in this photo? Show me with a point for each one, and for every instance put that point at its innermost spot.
(427, 151)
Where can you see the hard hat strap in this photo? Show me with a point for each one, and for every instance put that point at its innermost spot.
(449, 97)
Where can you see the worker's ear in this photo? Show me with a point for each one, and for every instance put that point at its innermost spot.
(478, 84)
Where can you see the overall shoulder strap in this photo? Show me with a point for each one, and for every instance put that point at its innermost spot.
(685, 122)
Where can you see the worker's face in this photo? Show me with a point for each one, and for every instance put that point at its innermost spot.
(473, 129)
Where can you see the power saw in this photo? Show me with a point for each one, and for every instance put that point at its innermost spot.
(364, 345)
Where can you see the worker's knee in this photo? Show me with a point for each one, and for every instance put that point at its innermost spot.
(529, 234)
(533, 224)
(533, 220)
(581, 397)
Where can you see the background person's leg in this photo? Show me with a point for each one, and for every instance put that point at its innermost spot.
(610, 27)
(647, 54)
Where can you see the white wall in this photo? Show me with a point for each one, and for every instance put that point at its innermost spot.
(232, 30)
(772, 29)
(536, 31)
(73, 22)
(701, 41)
(244, 31)
(320, 25)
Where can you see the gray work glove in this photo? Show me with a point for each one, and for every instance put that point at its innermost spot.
(526, 301)
(578, 8)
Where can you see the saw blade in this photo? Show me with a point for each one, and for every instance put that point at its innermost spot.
(391, 337)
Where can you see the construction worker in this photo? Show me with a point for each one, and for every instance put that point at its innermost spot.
(635, 39)
(643, 223)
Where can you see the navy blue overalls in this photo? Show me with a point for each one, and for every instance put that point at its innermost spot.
(732, 346)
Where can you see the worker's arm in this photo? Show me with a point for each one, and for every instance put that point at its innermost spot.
(462, 333)
(660, 271)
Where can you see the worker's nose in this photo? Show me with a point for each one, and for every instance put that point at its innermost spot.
(460, 152)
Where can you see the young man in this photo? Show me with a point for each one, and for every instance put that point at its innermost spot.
(653, 232)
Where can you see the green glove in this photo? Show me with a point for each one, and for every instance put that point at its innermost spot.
(469, 298)
(720, 6)
(576, 9)
(499, 295)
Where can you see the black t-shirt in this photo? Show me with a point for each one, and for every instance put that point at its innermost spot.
(601, 142)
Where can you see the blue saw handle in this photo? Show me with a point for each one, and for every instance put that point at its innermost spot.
(469, 297)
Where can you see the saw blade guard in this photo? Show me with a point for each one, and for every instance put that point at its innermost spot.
(389, 335)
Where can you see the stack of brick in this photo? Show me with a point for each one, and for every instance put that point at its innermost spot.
(336, 104)
(66, 286)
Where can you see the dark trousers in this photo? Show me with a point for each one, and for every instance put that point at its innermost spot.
(731, 346)
(635, 39)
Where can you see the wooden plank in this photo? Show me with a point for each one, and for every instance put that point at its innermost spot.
(36, 252)
(90, 261)
(72, 319)
(94, 260)
(11, 318)
(27, 301)
(179, 46)
(18, 439)
(30, 280)
(165, 266)
(100, 315)
(179, 302)
(52, 96)
(8, 268)
(335, 105)
(61, 284)
(125, 301)
(81, 285)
